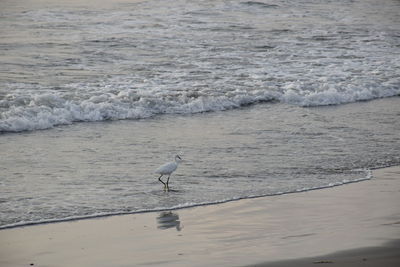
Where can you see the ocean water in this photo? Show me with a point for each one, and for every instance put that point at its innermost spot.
(259, 97)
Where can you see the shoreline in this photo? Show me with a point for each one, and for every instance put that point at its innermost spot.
(100, 216)
(289, 229)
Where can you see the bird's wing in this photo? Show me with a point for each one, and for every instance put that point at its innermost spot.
(166, 168)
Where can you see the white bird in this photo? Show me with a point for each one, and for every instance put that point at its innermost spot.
(168, 169)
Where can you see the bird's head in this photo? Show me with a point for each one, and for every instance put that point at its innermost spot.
(178, 158)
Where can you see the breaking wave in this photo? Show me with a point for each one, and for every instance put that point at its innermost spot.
(46, 110)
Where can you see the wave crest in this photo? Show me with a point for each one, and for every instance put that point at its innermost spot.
(46, 110)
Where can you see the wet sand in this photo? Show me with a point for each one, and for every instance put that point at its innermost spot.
(386, 255)
(352, 225)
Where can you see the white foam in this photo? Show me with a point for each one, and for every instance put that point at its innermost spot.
(46, 110)
(198, 64)
(334, 96)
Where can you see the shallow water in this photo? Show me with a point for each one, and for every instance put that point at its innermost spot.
(107, 168)
(72, 73)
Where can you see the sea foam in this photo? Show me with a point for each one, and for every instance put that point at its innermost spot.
(43, 111)
(191, 60)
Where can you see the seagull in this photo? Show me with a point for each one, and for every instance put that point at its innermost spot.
(168, 168)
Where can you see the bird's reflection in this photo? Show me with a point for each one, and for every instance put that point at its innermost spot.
(169, 219)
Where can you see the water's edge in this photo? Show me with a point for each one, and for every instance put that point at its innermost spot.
(189, 205)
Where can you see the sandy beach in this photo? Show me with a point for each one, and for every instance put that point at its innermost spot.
(356, 224)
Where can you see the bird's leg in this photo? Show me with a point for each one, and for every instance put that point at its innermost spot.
(168, 182)
(159, 178)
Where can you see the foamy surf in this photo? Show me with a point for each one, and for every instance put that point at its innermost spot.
(43, 111)
(191, 59)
